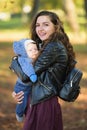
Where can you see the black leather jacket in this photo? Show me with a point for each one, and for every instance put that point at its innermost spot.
(54, 56)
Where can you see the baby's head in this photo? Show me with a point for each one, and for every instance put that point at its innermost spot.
(26, 48)
(31, 49)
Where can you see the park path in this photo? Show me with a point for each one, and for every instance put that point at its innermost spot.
(10, 36)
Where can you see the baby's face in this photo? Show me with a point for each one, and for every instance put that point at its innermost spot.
(32, 50)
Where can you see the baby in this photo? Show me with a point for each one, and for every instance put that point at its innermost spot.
(27, 52)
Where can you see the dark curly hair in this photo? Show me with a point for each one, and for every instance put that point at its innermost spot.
(59, 35)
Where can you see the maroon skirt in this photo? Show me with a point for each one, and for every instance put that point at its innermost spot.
(44, 116)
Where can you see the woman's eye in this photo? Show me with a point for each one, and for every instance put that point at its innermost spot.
(37, 25)
(46, 25)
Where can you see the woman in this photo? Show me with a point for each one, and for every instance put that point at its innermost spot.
(56, 54)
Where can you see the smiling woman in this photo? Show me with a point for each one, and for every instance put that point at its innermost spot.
(57, 53)
(78, 110)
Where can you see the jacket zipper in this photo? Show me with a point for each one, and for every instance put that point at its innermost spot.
(49, 89)
(73, 78)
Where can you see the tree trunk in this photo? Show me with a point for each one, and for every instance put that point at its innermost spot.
(35, 7)
(71, 14)
(85, 7)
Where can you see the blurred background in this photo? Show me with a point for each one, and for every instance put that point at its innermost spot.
(15, 19)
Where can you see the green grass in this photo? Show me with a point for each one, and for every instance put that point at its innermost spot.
(14, 23)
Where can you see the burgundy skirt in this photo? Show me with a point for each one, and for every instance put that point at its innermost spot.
(44, 116)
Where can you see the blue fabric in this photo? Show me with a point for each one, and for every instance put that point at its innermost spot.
(18, 47)
(27, 67)
(26, 88)
(33, 78)
(24, 60)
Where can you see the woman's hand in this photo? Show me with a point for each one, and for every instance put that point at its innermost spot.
(18, 97)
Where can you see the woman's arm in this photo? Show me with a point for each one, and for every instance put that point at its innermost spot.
(46, 58)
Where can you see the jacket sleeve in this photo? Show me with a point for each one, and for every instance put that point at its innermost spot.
(48, 57)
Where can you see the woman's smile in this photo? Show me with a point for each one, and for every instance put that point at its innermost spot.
(44, 27)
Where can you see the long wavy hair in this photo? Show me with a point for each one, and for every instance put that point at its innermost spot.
(58, 35)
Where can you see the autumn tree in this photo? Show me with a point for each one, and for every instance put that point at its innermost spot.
(69, 8)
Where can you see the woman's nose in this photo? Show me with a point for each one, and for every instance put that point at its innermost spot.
(41, 27)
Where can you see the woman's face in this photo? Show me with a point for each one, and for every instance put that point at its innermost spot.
(44, 27)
